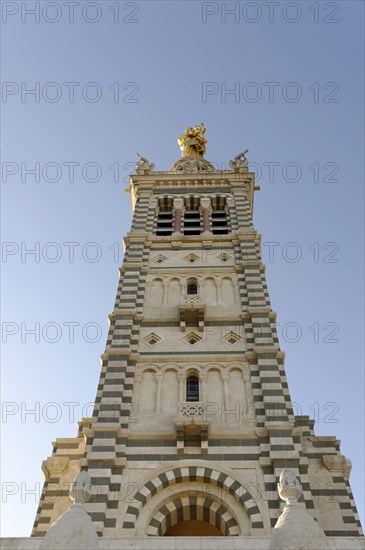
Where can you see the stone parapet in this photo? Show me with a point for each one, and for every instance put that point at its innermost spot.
(182, 543)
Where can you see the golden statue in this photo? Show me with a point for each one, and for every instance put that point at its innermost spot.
(193, 142)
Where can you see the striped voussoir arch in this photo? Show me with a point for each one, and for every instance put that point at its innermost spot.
(193, 507)
(189, 474)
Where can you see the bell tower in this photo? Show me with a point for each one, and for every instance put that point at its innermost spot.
(193, 422)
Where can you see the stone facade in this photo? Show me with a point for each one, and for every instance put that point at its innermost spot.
(193, 420)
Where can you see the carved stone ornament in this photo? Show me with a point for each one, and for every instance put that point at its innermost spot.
(80, 488)
(143, 166)
(74, 530)
(338, 463)
(295, 528)
(289, 488)
(55, 466)
(192, 165)
(239, 163)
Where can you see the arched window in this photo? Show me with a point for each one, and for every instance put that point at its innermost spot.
(192, 388)
(192, 288)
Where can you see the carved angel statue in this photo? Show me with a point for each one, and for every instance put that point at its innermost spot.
(143, 166)
(193, 142)
(240, 162)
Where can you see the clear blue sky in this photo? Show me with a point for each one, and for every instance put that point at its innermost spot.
(297, 73)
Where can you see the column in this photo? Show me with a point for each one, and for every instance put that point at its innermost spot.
(159, 379)
(147, 292)
(219, 291)
(225, 378)
(203, 382)
(137, 390)
(231, 214)
(178, 204)
(183, 288)
(165, 291)
(249, 413)
(181, 380)
(237, 293)
(205, 204)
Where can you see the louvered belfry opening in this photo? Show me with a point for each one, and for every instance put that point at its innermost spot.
(219, 216)
(192, 217)
(165, 216)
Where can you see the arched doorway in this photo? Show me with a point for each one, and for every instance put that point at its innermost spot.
(190, 514)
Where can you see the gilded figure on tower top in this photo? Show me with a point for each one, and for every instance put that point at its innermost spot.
(193, 142)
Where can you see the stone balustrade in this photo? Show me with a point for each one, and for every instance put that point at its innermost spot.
(191, 409)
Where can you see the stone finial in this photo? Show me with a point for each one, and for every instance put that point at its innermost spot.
(295, 528)
(80, 490)
(289, 488)
(143, 166)
(74, 530)
(239, 163)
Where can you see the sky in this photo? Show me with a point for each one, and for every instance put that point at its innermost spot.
(87, 85)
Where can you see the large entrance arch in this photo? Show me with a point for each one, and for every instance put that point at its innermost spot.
(164, 516)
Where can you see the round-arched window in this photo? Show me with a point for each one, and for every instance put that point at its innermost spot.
(192, 388)
(192, 288)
